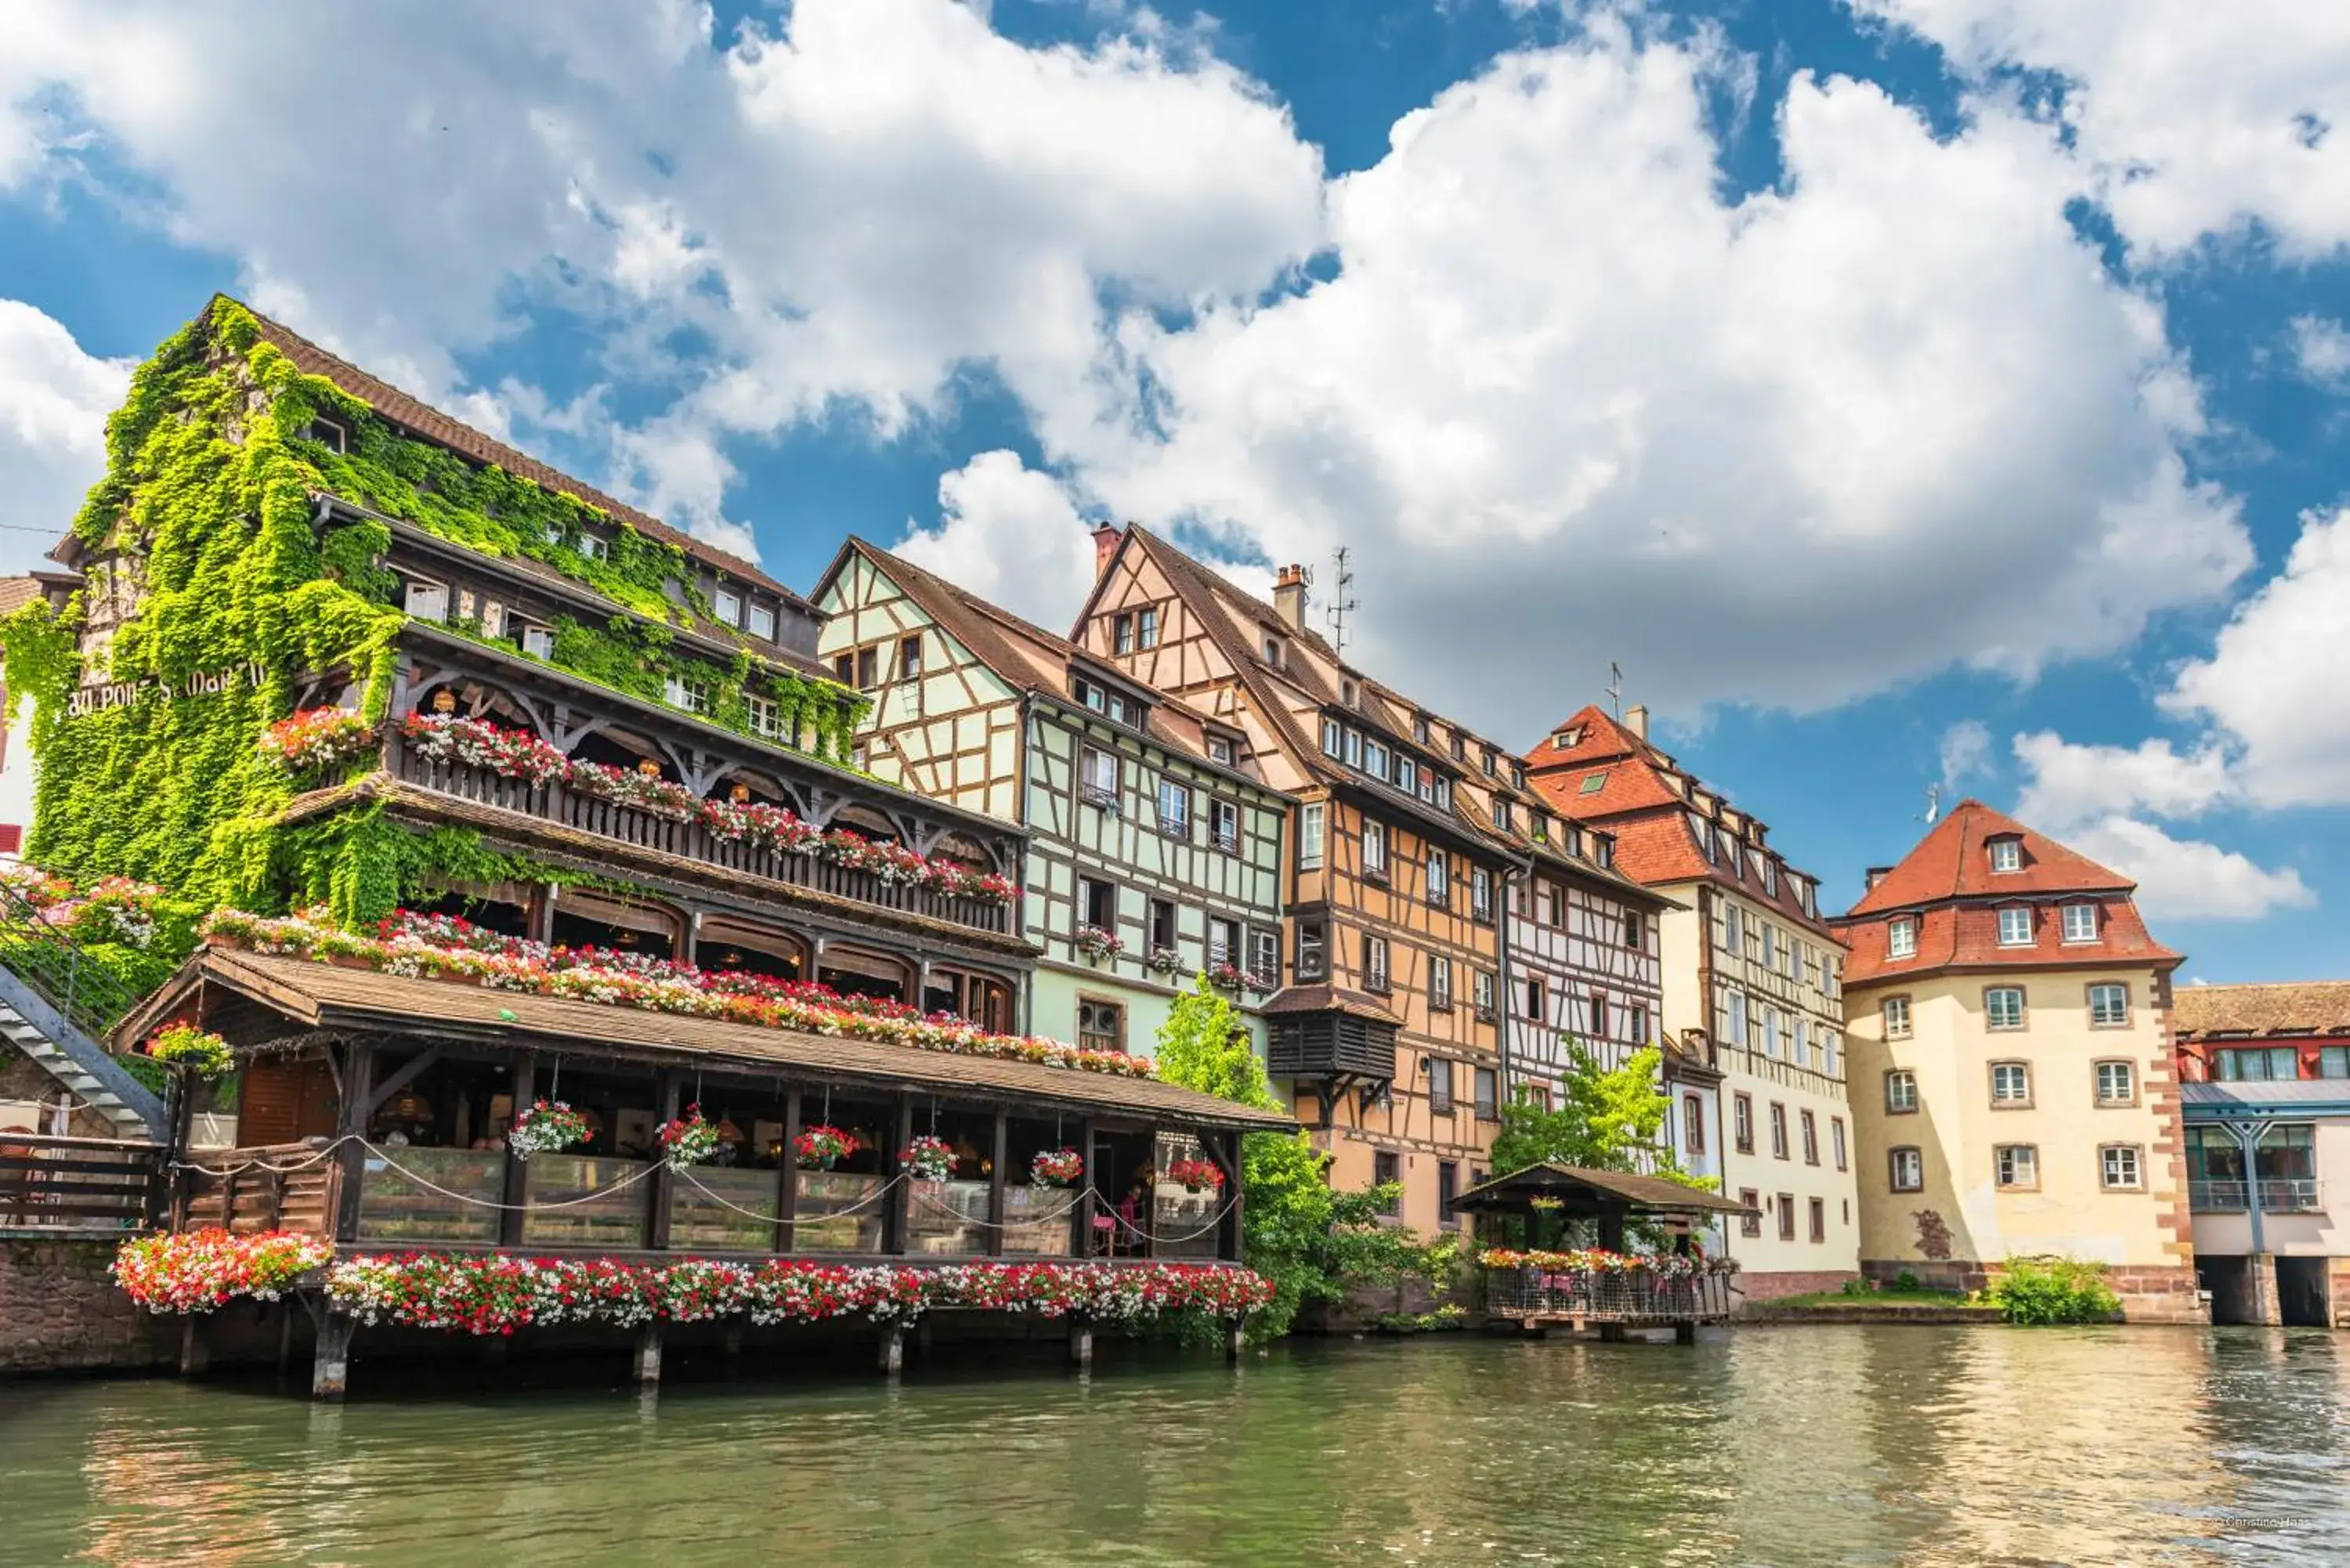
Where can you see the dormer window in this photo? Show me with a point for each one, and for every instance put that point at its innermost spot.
(328, 433)
(2007, 853)
(1420, 729)
(1541, 827)
(592, 545)
(1110, 705)
(1349, 694)
(1488, 762)
(1901, 938)
(1603, 850)
(762, 622)
(2015, 927)
(1517, 776)
(1272, 651)
(1567, 740)
(1501, 815)
(2080, 922)
(1770, 876)
(729, 607)
(1219, 750)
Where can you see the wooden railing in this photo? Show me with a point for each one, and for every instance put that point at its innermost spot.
(559, 803)
(278, 1187)
(1606, 1296)
(79, 1184)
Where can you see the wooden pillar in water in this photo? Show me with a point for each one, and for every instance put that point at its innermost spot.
(649, 1353)
(1685, 1333)
(1081, 1340)
(893, 1348)
(1236, 1337)
(330, 1365)
(195, 1347)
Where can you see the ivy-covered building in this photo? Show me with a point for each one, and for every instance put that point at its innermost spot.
(519, 700)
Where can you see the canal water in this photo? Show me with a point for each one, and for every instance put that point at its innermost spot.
(1828, 1445)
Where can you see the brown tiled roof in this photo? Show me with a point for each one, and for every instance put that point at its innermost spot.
(16, 592)
(421, 419)
(1953, 861)
(324, 996)
(2293, 1009)
(1965, 936)
(1329, 999)
(1585, 1190)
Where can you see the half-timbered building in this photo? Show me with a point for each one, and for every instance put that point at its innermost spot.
(1155, 843)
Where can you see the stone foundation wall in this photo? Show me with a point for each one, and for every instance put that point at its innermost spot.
(60, 1311)
(1762, 1286)
(2148, 1294)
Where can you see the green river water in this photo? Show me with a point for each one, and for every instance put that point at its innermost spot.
(1789, 1444)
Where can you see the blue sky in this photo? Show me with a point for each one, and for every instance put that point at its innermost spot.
(1905, 392)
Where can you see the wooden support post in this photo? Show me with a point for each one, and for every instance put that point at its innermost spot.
(1236, 1337)
(663, 1181)
(893, 1348)
(284, 1333)
(330, 1364)
(1230, 1239)
(359, 1080)
(1081, 1340)
(1611, 1334)
(893, 1212)
(995, 1182)
(517, 1184)
(649, 1353)
(1685, 1333)
(1081, 1215)
(787, 1194)
(195, 1345)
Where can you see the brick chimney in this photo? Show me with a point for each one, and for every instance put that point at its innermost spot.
(1106, 538)
(1289, 596)
(1636, 719)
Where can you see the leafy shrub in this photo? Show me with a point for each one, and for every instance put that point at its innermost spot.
(1856, 1286)
(1905, 1280)
(2053, 1290)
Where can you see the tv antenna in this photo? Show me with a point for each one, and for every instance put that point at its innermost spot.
(1933, 805)
(1341, 600)
(1616, 686)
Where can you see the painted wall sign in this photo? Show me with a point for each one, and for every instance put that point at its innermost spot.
(129, 693)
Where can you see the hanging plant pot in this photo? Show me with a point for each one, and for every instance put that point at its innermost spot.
(820, 1147)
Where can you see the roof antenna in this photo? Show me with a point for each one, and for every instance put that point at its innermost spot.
(1616, 686)
(1933, 805)
(1340, 601)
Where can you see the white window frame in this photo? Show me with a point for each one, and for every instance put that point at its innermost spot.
(762, 623)
(1375, 848)
(2011, 1084)
(2015, 926)
(729, 606)
(1174, 808)
(763, 715)
(1093, 761)
(1735, 1003)
(1995, 1013)
(1439, 983)
(1481, 993)
(2083, 917)
(2007, 854)
(689, 696)
(2015, 1167)
(1895, 1010)
(539, 642)
(1901, 1092)
(1440, 876)
(1310, 820)
(2113, 1179)
(2100, 1015)
(1906, 1170)
(2128, 1071)
(1901, 938)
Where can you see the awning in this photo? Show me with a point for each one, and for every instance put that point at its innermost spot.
(1583, 1193)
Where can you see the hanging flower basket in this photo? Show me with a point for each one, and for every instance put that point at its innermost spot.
(1164, 961)
(317, 738)
(927, 1159)
(200, 1049)
(689, 1139)
(1197, 1174)
(821, 1147)
(1227, 977)
(1096, 943)
(1056, 1168)
(547, 1127)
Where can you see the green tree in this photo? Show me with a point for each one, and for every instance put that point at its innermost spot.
(1607, 1118)
(1311, 1243)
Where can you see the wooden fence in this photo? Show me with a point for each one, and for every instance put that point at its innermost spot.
(92, 1185)
(279, 1187)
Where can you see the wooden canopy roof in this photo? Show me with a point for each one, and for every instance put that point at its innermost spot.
(1585, 1193)
(325, 997)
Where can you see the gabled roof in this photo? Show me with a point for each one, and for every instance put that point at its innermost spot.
(2288, 1010)
(16, 592)
(1953, 861)
(426, 422)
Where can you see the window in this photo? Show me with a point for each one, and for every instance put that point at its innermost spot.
(1147, 627)
(1224, 826)
(1592, 783)
(2119, 1165)
(1334, 738)
(1599, 1015)
(2080, 922)
(1502, 816)
(1097, 777)
(329, 434)
(1541, 827)
(1486, 762)
(1810, 1127)
(1636, 1023)
(427, 601)
(1122, 634)
(1749, 1223)
(1692, 1125)
(844, 668)
(1439, 1085)
(2109, 1005)
(539, 642)
(1101, 1025)
(1097, 904)
(592, 545)
(1162, 926)
(1770, 1033)
(1349, 694)
(1786, 1216)
(909, 658)
(762, 622)
(729, 606)
(1819, 1219)
(1733, 931)
(2116, 1083)
(1488, 1095)
(1386, 1170)
(1174, 809)
(1517, 775)
(1272, 651)
(2007, 853)
(1534, 999)
(764, 719)
(1901, 1092)
(2011, 1084)
(1375, 849)
(1741, 1122)
(1896, 1011)
(1636, 931)
(2003, 1007)
(1483, 993)
(1375, 962)
(1480, 894)
(1901, 938)
(2259, 1063)
(2016, 1166)
(1309, 837)
(1447, 1187)
(1831, 1054)
(869, 668)
(1770, 946)
(1907, 1167)
(2015, 927)
(1313, 950)
(1440, 878)
(693, 696)
(1439, 983)
(1835, 1141)
(1375, 758)
(1264, 957)
(1219, 750)
(1736, 1003)
(1354, 748)
(1778, 1130)
(1406, 774)
(1770, 876)
(1224, 941)
(2334, 1061)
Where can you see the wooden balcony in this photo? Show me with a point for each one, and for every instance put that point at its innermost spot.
(1630, 1297)
(563, 806)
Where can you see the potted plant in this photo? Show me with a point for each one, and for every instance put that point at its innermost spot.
(1164, 961)
(199, 1049)
(820, 1147)
(1096, 943)
(1056, 1168)
(546, 1127)
(689, 1139)
(927, 1159)
(1197, 1174)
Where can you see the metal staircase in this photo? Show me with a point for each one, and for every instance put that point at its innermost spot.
(56, 1004)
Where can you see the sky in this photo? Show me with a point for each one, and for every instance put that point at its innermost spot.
(1906, 394)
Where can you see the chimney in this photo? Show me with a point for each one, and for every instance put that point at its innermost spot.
(1289, 596)
(1877, 874)
(1636, 719)
(1106, 538)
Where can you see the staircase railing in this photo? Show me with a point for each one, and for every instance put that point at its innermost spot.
(83, 991)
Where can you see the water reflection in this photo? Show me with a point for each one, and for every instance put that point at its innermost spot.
(1861, 1445)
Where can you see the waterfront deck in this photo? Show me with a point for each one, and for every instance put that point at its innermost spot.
(1581, 1299)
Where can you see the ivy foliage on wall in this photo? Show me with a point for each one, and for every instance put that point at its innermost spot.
(364, 866)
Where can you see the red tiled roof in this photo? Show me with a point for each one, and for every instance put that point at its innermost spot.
(1965, 936)
(421, 419)
(2293, 1011)
(16, 592)
(1953, 861)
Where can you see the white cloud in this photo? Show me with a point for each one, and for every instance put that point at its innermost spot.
(2070, 784)
(1009, 534)
(54, 400)
(1965, 751)
(2187, 879)
(2191, 119)
(2322, 349)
